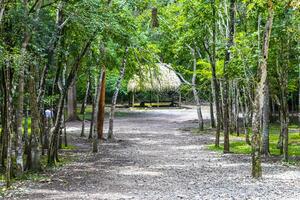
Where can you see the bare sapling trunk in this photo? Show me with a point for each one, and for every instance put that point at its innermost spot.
(265, 123)
(211, 106)
(259, 98)
(245, 111)
(237, 109)
(110, 135)
(194, 89)
(92, 120)
(84, 106)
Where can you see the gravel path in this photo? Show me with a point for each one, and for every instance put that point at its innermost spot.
(154, 159)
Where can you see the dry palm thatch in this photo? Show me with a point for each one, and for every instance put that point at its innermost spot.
(161, 78)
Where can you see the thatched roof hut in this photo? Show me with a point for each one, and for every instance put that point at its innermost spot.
(161, 78)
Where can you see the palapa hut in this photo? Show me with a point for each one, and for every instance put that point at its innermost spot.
(160, 78)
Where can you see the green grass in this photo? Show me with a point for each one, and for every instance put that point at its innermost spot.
(239, 146)
(69, 147)
(89, 110)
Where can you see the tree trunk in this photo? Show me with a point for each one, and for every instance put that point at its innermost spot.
(72, 103)
(265, 123)
(84, 106)
(212, 56)
(35, 148)
(52, 152)
(20, 100)
(245, 112)
(195, 92)
(51, 48)
(2, 9)
(237, 108)
(259, 98)
(92, 120)
(230, 39)
(8, 124)
(211, 105)
(283, 71)
(115, 96)
(101, 105)
(155, 22)
(96, 107)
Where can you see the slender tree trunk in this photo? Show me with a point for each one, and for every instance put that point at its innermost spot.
(230, 37)
(265, 123)
(194, 89)
(96, 105)
(8, 124)
(244, 110)
(216, 85)
(84, 106)
(259, 98)
(284, 108)
(72, 103)
(155, 22)
(51, 48)
(237, 108)
(93, 119)
(20, 100)
(26, 137)
(115, 96)
(35, 148)
(52, 152)
(2, 9)
(101, 106)
(211, 105)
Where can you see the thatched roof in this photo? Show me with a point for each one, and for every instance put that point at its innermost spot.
(159, 79)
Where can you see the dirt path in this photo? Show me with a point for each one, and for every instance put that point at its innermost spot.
(154, 159)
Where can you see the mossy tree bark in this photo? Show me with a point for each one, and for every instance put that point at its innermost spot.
(20, 99)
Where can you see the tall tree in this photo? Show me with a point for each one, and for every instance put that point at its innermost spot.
(259, 97)
(115, 96)
(230, 41)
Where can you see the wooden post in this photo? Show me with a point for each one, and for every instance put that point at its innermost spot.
(101, 108)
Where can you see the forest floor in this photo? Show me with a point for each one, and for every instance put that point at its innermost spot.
(157, 157)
